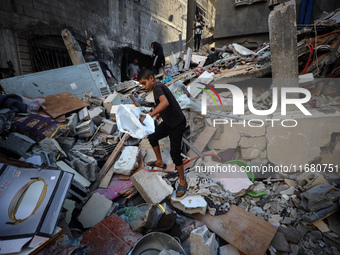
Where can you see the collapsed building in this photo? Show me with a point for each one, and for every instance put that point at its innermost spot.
(73, 151)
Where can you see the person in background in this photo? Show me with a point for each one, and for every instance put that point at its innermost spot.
(133, 68)
(159, 61)
(173, 125)
(197, 27)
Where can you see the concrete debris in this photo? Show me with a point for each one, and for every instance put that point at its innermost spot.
(108, 127)
(308, 180)
(112, 99)
(151, 187)
(228, 250)
(202, 242)
(83, 164)
(50, 145)
(94, 210)
(18, 143)
(190, 204)
(78, 177)
(85, 129)
(128, 160)
(317, 198)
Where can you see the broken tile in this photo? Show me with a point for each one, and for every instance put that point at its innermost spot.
(110, 236)
(151, 186)
(94, 210)
(190, 204)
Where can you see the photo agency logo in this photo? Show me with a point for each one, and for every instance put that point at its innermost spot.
(239, 99)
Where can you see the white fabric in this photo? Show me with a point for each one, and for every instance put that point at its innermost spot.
(128, 122)
(198, 31)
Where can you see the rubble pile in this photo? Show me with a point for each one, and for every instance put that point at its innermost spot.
(115, 203)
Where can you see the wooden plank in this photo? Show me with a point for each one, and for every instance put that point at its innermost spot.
(60, 104)
(109, 162)
(247, 232)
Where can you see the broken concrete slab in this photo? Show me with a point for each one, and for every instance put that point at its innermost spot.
(151, 186)
(108, 126)
(66, 143)
(96, 111)
(50, 145)
(127, 161)
(113, 99)
(72, 122)
(18, 143)
(85, 129)
(202, 242)
(291, 183)
(83, 114)
(78, 177)
(291, 234)
(190, 204)
(253, 142)
(110, 236)
(333, 222)
(308, 180)
(94, 210)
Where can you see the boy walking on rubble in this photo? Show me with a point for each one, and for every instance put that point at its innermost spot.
(173, 125)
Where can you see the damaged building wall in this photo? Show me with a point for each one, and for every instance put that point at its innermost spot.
(112, 25)
(248, 23)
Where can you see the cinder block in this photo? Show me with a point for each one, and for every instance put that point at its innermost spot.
(78, 193)
(202, 242)
(151, 186)
(83, 114)
(108, 127)
(112, 99)
(85, 129)
(83, 164)
(72, 122)
(66, 143)
(308, 180)
(18, 143)
(127, 161)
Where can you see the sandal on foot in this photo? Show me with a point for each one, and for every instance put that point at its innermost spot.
(153, 164)
(181, 188)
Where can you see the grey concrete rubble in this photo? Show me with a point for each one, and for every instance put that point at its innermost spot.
(72, 122)
(151, 186)
(18, 143)
(308, 180)
(66, 143)
(128, 160)
(78, 177)
(318, 197)
(202, 242)
(113, 99)
(85, 129)
(97, 111)
(108, 126)
(52, 146)
(190, 204)
(83, 164)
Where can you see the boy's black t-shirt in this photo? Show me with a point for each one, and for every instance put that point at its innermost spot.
(172, 115)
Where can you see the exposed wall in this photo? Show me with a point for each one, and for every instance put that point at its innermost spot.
(249, 23)
(114, 24)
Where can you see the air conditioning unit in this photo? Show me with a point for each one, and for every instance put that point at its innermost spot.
(76, 79)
